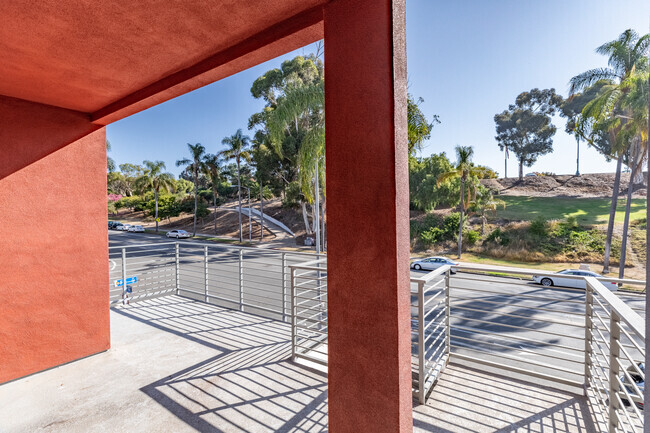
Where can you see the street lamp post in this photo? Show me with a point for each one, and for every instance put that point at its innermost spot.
(250, 223)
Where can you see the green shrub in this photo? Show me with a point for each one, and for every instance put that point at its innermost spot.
(498, 236)
(471, 237)
(539, 227)
(432, 236)
(450, 225)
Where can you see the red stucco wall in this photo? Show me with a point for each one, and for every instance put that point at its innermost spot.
(53, 238)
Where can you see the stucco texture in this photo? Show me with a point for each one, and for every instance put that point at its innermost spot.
(53, 274)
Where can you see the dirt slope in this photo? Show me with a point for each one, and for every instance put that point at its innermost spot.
(586, 185)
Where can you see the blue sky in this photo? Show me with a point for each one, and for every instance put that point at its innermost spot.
(468, 59)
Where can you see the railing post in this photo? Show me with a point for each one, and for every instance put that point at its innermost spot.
(205, 268)
(589, 314)
(293, 314)
(284, 287)
(614, 369)
(178, 266)
(421, 351)
(124, 293)
(241, 279)
(447, 315)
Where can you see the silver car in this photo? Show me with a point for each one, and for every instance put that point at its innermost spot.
(432, 263)
(560, 279)
(136, 229)
(178, 234)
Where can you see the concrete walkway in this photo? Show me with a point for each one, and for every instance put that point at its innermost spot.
(178, 365)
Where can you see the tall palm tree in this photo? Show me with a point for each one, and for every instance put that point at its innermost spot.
(464, 170)
(238, 146)
(606, 111)
(154, 178)
(195, 165)
(212, 166)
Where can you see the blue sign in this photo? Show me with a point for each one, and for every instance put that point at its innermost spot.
(130, 280)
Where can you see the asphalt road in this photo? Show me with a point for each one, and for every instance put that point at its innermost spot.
(509, 321)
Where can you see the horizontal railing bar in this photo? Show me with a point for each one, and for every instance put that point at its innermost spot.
(506, 337)
(516, 305)
(505, 346)
(429, 276)
(537, 319)
(633, 320)
(581, 338)
(515, 370)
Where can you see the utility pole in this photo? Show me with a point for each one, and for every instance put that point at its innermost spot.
(261, 211)
(578, 156)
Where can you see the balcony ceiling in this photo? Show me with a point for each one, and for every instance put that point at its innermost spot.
(113, 58)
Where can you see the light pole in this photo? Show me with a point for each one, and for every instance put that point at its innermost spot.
(250, 224)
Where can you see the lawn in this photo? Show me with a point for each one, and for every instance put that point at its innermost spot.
(588, 211)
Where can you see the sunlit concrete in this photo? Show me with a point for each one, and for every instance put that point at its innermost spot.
(184, 366)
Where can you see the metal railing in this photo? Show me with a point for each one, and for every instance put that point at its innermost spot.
(586, 338)
(309, 311)
(429, 329)
(614, 356)
(248, 279)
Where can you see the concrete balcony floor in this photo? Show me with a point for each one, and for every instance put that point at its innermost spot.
(178, 365)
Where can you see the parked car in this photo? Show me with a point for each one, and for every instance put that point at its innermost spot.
(431, 263)
(531, 174)
(178, 234)
(136, 229)
(578, 283)
(126, 227)
(639, 381)
(118, 226)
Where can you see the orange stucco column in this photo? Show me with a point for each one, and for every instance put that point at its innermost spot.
(53, 238)
(367, 215)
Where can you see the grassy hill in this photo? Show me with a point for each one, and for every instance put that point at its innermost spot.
(587, 211)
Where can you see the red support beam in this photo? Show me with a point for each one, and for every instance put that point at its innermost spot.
(292, 33)
(367, 206)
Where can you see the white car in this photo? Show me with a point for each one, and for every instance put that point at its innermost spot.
(136, 229)
(178, 234)
(558, 279)
(126, 227)
(432, 263)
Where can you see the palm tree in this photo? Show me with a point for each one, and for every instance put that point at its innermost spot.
(463, 171)
(154, 178)
(195, 166)
(485, 202)
(606, 111)
(238, 146)
(212, 165)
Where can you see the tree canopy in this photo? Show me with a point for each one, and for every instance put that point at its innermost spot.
(525, 128)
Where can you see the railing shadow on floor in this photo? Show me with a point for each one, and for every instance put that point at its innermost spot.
(468, 400)
(250, 386)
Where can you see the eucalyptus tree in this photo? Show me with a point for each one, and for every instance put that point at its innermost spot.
(463, 170)
(238, 149)
(303, 108)
(419, 128)
(610, 114)
(212, 165)
(195, 165)
(526, 129)
(156, 179)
